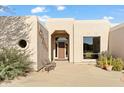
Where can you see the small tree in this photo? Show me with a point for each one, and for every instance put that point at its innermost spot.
(13, 63)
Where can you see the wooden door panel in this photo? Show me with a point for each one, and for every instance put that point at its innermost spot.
(61, 50)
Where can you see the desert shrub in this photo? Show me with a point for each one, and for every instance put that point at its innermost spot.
(117, 64)
(107, 59)
(13, 63)
(101, 61)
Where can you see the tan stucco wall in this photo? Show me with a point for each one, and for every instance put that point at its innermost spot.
(116, 44)
(37, 43)
(42, 48)
(89, 28)
(32, 42)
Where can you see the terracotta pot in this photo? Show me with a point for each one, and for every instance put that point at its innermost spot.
(105, 66)
(109, 68)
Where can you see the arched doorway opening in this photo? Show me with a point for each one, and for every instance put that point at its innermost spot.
(60, 46)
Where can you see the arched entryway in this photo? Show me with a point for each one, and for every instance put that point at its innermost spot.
(60, 46)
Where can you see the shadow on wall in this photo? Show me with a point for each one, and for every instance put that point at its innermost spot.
(42, 46)
(13, 29)
(116, 44)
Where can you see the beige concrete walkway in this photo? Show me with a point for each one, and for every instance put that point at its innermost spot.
(67, 74)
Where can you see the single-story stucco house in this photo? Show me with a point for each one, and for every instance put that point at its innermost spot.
(72, 40)
(65, 39)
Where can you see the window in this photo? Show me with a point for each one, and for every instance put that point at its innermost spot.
(22, 43)
(91, 47)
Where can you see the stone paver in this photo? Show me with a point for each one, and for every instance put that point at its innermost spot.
(68, 74)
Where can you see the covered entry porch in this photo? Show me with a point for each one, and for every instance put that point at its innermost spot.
(60, 46)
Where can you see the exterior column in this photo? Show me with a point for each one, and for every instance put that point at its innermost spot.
(49, 52)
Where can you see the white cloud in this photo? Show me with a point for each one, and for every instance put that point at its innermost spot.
(1, 10)
(108, 17)
(114, 24)
(43, 18)
(38, 9)
(61, 8)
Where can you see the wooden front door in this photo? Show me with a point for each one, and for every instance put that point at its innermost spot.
(61, 49)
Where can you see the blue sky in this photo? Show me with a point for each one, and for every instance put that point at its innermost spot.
(113, 13)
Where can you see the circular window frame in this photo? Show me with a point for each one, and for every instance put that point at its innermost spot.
(21, 46)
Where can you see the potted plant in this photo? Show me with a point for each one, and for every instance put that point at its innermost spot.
(108, 65)
(101, 62)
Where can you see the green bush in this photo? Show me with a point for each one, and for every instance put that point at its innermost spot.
(13, 63)
(107, 59)
(101, 61)
(117, 64)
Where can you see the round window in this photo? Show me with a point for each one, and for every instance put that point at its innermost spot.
(22, 43)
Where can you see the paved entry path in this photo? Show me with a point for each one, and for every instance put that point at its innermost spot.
(68, 74)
